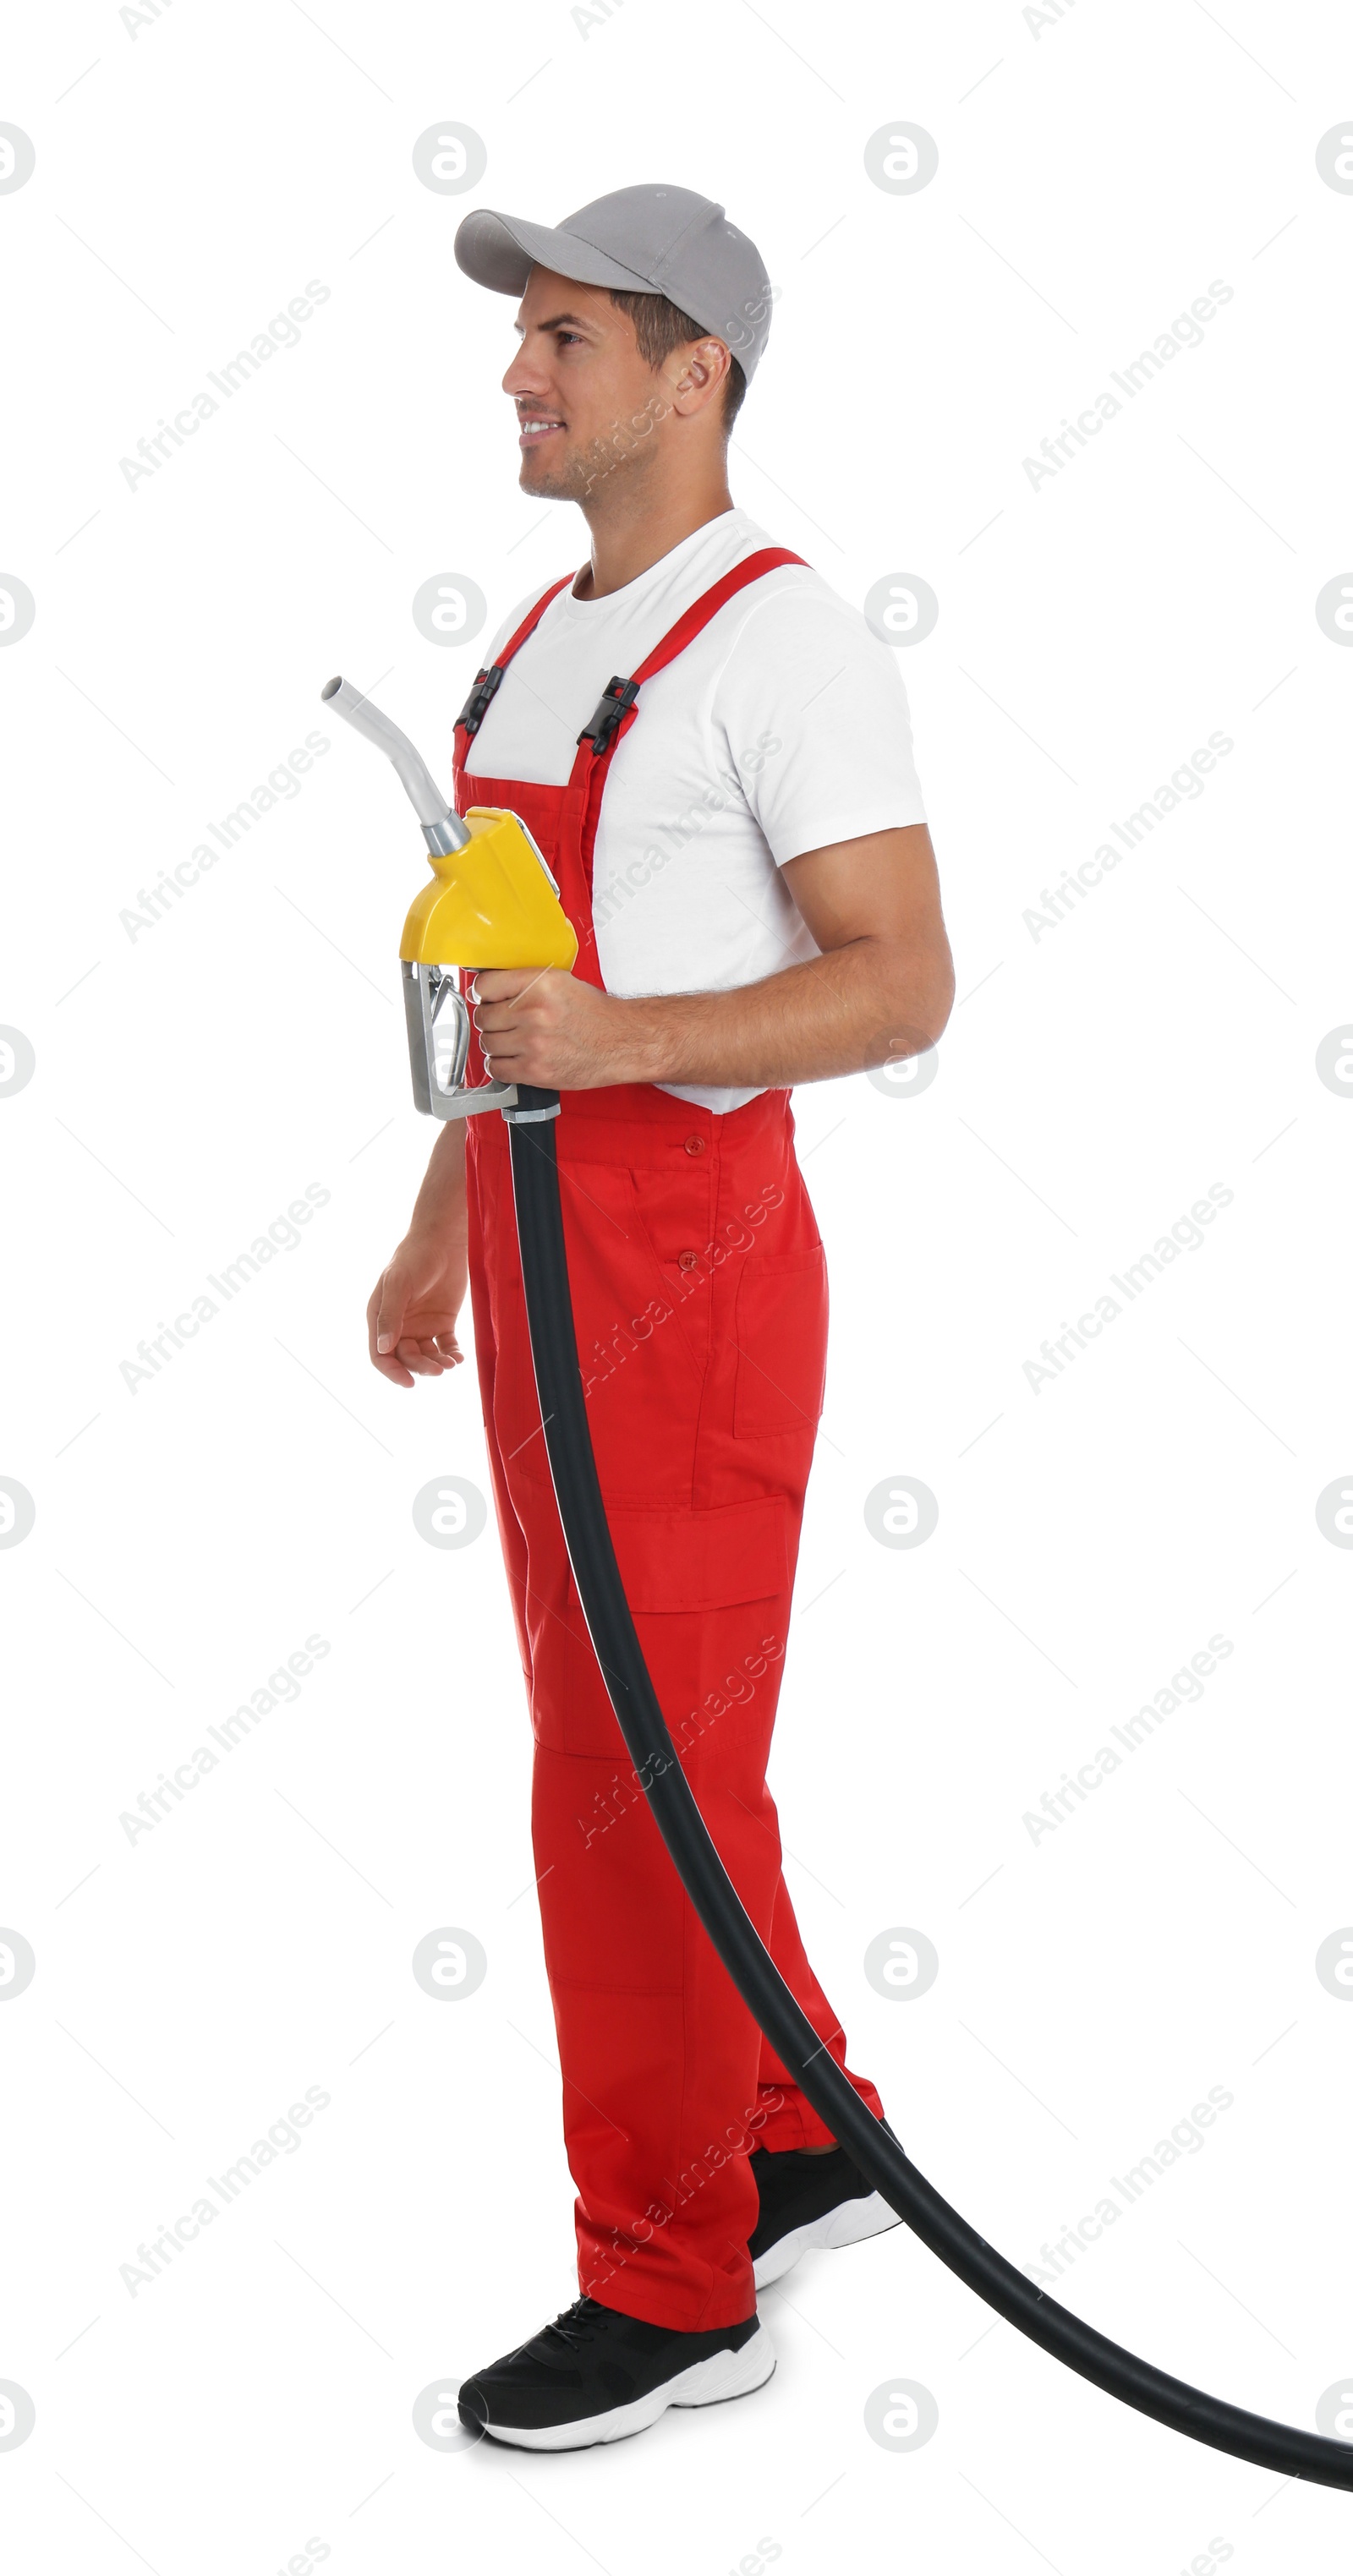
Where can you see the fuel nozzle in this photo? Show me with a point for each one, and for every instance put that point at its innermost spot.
(443, 829)
(491, 902)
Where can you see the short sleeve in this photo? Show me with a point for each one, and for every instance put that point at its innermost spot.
(814, 711)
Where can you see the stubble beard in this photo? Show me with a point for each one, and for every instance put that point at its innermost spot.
(584, 472)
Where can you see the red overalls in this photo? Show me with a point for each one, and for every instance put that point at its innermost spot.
(700, 1294)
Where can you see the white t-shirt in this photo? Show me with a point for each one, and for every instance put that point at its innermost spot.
(782, 728)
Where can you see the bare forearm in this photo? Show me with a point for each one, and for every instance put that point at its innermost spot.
(439, 1208)
(858, 1005)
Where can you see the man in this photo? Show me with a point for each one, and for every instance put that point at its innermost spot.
(714, 756)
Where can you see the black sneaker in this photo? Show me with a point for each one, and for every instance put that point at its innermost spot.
(809, 2201)
(595, 2376)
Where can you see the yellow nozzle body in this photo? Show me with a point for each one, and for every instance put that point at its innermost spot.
(490, 904)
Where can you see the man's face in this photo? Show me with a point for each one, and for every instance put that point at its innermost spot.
(588, 405)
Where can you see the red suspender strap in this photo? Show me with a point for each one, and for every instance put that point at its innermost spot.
(489, 680)
(618, 709)
(708, 605)
(615, 710)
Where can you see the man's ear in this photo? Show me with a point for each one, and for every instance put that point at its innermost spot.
(701, 372)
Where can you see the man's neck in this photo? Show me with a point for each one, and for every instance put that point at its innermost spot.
(628, 540)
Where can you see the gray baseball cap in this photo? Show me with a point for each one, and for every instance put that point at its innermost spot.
(660, 241)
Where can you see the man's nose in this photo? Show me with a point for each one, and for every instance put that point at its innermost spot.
(524, 376)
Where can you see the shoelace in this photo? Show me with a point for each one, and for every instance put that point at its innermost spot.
(574, 2325)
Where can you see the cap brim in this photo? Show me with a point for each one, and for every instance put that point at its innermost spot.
(499, 251)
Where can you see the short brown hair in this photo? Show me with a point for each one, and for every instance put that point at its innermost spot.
(660, 327)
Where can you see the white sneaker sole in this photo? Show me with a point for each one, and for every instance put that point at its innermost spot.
(707, 2383)
(849, 2224)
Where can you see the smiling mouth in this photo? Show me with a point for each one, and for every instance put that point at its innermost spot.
(533, 431)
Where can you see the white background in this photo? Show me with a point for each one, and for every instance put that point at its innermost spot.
(1095, 174)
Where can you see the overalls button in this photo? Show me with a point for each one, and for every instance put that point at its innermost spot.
(695, 1144)
(687, 1260)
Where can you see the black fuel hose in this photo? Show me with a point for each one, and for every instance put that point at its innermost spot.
(1283, 2448)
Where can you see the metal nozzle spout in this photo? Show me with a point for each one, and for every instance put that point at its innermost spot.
(443, 829)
